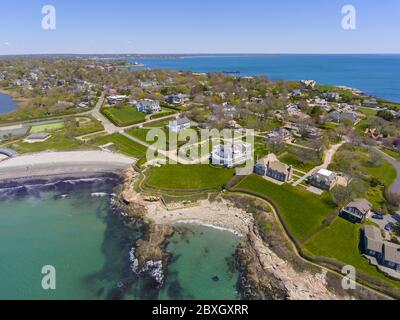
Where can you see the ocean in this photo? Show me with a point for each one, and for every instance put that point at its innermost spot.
(376, 75)
(73, 226)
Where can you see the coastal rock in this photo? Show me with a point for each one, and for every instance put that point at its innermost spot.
(148, 255)
(265, 276)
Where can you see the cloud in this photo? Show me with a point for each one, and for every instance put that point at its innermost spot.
(7, 44)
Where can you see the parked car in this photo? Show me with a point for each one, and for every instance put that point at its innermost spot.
(377, 216)
(396, 217)
(390, 226)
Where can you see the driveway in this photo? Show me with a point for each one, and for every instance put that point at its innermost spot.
(387, 218)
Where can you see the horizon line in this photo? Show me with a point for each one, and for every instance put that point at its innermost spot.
(195, 54)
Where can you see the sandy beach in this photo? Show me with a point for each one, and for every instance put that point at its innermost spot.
(62, 163)
(220, 215)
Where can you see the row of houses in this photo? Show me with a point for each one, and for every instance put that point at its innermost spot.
(384, 253)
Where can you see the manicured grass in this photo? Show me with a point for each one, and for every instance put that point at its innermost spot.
(87, 126)
(57, 142)
(47, 127)
(369, 112)
(302, 211)
(385, 172)
(123, 144)
(124, 116)
(164, 112)
(296, 162)
(391, 153)
(188, 177)
(160, 124)
(340, 241)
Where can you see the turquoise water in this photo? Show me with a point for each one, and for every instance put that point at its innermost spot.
(88, 241)
(202, 265)
(7, 104)
(374, 74)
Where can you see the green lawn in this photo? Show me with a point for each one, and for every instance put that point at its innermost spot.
(296, 162)
(123, 144)
(188, 177)
(47, 127)
(158, 124)
(340, 241)
(57, 142)
(124, 116)
(302, 211)
(385, 172)
(164, 112)
(391, 153)
(86, 125)
(369, 112)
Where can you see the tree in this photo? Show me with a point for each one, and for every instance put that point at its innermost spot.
(341, 195)
(385, 114)
(392, 200)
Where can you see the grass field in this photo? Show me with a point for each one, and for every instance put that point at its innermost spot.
(385, 172)
(340, 241)
(391, 153)
(124, 116)
(164, 112)
(87, 125)
(123, 144)
(302, 211)
(369, 112)
(297, 163)
(47, 127)
(57, 142)
(185, 177)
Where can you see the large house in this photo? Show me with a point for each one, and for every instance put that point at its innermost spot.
(386, 253)
(148, 106)
(356, 210)
(177, 99)
(324, 179)
(114, 99)
(279, 135)
(337, 117)
(309, 84)
(231, 154)
(273, 168)
(179, 125)
(331, 95)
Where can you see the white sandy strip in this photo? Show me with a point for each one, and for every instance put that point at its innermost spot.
(218, 215)
(60, 163)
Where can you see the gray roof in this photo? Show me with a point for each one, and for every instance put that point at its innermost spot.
(279, 166)
(373, 238)
(392, 252)
(39, 136)
(361, 204)
(181, 121)
(8, 152)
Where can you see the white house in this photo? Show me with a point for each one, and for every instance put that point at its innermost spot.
(177, 99)
(148, 106)
(179, 125)
(116, 98)
(231, 154)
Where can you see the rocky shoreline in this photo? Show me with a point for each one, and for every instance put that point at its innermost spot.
(269, 268)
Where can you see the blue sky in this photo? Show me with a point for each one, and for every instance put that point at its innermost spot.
(206, 26)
